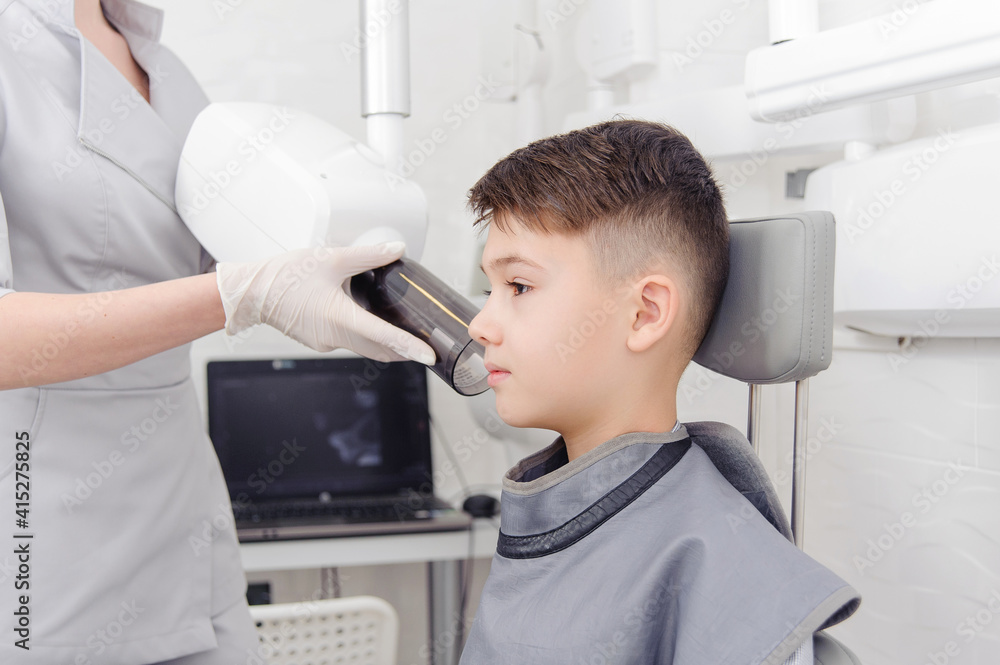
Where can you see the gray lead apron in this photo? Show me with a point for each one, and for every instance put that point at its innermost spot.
(641, 552)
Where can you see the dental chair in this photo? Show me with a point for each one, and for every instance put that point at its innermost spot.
(774, 325)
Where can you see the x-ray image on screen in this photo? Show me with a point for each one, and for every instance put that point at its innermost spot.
(361, 443)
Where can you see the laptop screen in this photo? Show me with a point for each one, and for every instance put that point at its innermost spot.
(304, 427)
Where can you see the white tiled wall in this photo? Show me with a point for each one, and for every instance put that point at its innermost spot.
(903, 501)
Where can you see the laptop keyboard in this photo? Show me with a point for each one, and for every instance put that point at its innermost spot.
(357, 509)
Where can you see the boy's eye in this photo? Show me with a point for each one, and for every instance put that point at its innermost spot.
(519, 289)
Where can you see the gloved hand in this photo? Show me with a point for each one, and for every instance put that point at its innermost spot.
(302, 294)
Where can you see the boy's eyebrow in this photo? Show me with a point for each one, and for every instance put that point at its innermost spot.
(511, 259)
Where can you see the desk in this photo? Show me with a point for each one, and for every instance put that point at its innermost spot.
(443, 551)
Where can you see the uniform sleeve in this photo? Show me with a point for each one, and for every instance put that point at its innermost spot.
(6, 270)
(207, 262)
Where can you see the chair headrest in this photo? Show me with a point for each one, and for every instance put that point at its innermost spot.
(775, 321)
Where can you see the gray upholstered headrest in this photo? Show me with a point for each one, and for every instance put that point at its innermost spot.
(775, 321)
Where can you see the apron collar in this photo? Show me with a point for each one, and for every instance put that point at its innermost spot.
(549, 467)
(545, 535)
(544, 493)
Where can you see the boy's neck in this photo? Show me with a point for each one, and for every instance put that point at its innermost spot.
(648, 416)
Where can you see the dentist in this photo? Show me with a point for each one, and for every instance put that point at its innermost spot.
(109, 486)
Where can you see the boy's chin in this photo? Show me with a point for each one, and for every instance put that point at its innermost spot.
(518, 417)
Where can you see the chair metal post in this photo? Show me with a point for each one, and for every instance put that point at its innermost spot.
(799, 449)
(447, 625)
(753, 417)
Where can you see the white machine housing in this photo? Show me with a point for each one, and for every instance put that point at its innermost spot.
(256, 180)
(917, 240)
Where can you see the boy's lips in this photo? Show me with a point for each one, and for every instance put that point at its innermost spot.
(497, 374)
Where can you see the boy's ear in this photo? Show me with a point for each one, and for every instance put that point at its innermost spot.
(656, 310)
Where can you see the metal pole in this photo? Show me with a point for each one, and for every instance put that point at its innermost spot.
(753, 417)
(385, 75)
(791, 19)
(447, 626)
(799, 460)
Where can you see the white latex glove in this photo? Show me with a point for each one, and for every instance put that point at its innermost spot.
(303, 293)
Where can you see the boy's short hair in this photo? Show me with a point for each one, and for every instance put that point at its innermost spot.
(639, 192)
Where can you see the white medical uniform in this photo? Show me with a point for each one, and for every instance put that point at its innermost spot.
(132, 549)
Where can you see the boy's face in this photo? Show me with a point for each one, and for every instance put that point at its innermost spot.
(554, 332)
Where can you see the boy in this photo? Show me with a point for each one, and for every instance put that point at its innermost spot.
(607, 255)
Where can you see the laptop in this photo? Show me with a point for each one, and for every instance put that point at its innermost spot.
(321, 447)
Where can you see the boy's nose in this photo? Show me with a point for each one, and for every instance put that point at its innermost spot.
(481, 327)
